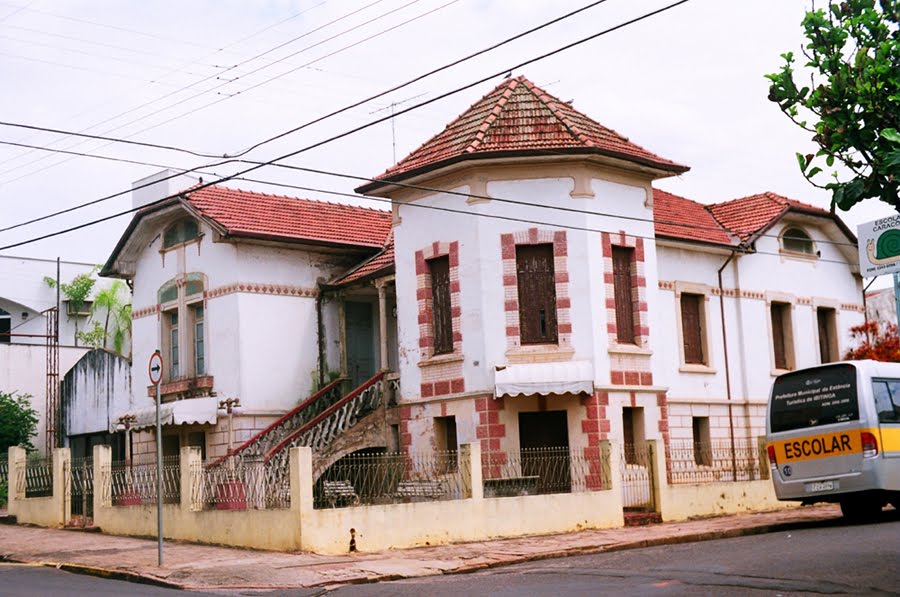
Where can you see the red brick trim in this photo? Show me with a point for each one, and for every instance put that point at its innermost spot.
(595, 425)
(534, 236)
(446, 378)
(641, 321)
(489, 431)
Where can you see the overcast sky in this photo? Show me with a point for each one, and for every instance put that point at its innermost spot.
(219, 76)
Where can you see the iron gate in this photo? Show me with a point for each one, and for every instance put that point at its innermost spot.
(638, 476)
(81, 490)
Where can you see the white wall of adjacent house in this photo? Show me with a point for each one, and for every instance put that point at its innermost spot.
(23, 370)
(751, 282)
(259, 320)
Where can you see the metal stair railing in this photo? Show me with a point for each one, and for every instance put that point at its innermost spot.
(324, 428)
(261, 444)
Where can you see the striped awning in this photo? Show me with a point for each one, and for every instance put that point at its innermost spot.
(180, 412)
(568, 377)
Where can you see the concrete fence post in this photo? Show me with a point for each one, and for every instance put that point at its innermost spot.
(191, 477)
(763, 457)
(62, 485)
(17, 463)
(659, 479)
(474, 482)
(102, 482)
(302, 480)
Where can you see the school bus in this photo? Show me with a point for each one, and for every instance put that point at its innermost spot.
(833, 435)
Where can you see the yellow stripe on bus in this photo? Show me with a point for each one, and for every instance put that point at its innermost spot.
(890, 438)
(811, 447)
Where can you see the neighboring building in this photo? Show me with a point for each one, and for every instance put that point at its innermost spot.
(881, 306)
(226, 285)
(25, 299)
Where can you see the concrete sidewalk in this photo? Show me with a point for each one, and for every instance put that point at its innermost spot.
(203, 567)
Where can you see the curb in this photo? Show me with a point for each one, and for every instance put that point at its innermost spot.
(100, 572)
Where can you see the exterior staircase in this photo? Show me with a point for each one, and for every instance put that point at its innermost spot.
(315, 423)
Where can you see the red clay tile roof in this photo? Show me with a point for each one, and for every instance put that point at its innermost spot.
(518, 117)
(246, 213)
(380, 264)
(677, 217)
(748, 215)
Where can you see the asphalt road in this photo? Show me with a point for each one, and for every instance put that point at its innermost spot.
(838, 559)
(26, 580)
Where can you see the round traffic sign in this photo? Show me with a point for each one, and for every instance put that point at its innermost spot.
(154, 368)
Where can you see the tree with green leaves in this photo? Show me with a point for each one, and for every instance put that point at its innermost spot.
(113, 303)
(18, 421)
(851, 102)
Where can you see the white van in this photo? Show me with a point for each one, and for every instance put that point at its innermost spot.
(833, 435)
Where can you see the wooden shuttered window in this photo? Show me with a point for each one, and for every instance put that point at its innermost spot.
(779, 335)
(537, 294)
(827, 334)
(622, 285)
(442, 318)
(692, 328)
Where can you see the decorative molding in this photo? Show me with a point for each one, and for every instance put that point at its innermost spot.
(248, 287)
(761, 296)
(262, 288)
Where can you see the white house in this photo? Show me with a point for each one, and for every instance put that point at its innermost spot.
(226, 286)
(548, 296)
(530, 288)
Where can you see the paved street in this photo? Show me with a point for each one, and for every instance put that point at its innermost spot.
(26, 580)
(833, 558)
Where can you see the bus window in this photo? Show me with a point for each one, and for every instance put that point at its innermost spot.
(887, 400)
(814, 397)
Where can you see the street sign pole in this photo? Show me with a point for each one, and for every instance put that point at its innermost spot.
(897, 297)
(155, 370)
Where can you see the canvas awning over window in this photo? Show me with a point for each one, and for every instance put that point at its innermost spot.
(570, 377)
(180, 412)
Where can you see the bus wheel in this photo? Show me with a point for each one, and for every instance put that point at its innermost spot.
(861, 508)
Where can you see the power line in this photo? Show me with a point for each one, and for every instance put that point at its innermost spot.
(346, 108)
(177, 70)
(652, 220)
(351, 131)
(204, 92)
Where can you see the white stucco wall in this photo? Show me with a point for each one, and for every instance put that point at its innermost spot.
(260, 317)
(825, 281)
(94, 391)
(23, 369)
(483, 320)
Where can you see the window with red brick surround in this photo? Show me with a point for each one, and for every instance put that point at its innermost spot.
(615, 248)
(509, 244)
(440, 328)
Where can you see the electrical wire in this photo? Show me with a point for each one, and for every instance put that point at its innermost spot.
(332, 114)
(653, 220)
(204, 92)
(178, 70)
(352, 131)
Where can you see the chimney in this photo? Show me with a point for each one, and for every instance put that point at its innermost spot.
(159, 185)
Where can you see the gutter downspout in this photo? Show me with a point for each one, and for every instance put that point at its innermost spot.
(727, 368)
(320, 335)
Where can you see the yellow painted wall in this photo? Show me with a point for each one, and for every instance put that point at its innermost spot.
(709, 499)
(432, 523)
(42, 511)
(277, 530)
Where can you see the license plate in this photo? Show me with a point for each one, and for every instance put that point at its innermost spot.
(820, 486)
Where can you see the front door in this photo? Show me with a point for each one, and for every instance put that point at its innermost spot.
(360, 342)
(544, 442)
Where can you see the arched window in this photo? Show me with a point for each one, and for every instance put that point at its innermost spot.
(180, 232)
(797, 240)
